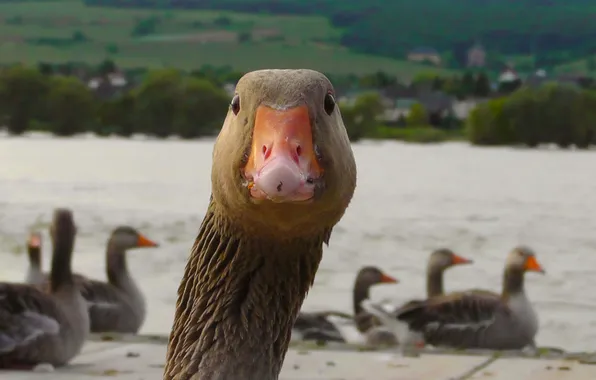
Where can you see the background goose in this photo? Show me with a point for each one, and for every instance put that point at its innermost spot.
(34, 273)
(438, 262)
(261, 240)
(481, 319)
(117, 305)
(38, 327)
(321, 326)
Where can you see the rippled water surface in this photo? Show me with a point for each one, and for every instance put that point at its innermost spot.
(410, 199)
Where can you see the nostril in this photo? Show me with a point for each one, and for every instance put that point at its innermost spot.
(266, 151)
(298, 150)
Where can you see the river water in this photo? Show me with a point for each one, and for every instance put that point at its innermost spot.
(410, 199)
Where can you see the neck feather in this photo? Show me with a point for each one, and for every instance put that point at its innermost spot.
(434, 282)
(237, 303)
(61, 271)
(116, 266)
(34, 257)
(360, 293)
(513, 282)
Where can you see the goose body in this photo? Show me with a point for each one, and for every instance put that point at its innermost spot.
(117, 305)
(439, 261)
(38, 327)
(261, 240)
(113, 309)
(320, 325)
(481, 319)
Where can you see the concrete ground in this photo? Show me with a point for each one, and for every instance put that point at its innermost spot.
(138, 358)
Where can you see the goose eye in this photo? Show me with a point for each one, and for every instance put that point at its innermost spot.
(235, 104)
(329, 104)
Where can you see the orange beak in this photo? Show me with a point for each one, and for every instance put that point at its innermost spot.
(532, 265)
(144, 242)
(282, 165)
(458, 260)
(386, 279)
(34, 241)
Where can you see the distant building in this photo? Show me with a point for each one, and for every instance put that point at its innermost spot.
(230, 89)
(116, 79)
(424, 54)
(537, 78)
(476, 56)
(110, 85)
(508, 75)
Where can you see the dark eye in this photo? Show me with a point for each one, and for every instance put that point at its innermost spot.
(235, 104)
(329, 104)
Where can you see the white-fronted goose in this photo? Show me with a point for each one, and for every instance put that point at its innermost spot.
(318, 326)
(34, 274)
(117, 305)
(481, 319)
(38, 327)
(283, 175)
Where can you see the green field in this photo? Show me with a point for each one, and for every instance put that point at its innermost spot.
(32, 31)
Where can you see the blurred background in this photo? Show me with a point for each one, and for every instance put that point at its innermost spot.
(472, 124)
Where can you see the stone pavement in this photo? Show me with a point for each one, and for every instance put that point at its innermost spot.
(132, 359)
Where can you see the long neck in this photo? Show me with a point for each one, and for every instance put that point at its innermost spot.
(237, 303)
(434, 281)
(116, 267)
(361, 292)
(61, 271)
(513, 282)
(34, 257)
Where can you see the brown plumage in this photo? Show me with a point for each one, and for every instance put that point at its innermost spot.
(439, 261)
(481, 319)
(368, 277)
(283, 175)
(117, 305)
(39, 327)
(317, 326)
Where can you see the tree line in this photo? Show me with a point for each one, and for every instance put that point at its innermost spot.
(169, 102)
(166, 102)
(553, 113)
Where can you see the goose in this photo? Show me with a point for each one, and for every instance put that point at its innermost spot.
(34, 274)
(439, 261)
(319, 326)
(117, 305)
(283, 174)
(481, 319)
(38, 327)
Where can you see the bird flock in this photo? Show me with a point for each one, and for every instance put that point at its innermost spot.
(46, 319)
(469, 319)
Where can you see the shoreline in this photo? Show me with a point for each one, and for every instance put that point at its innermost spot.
(587, 357)
(142, 357)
